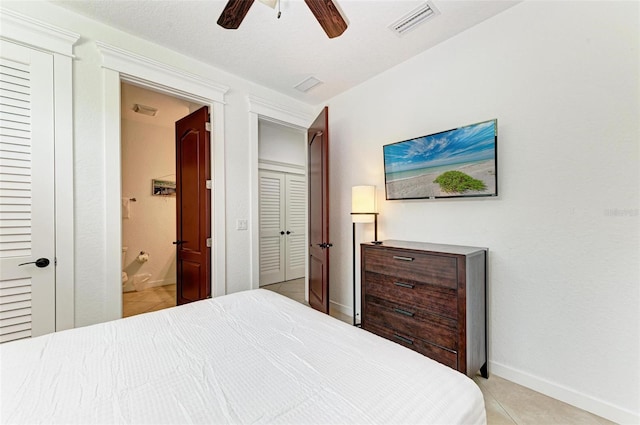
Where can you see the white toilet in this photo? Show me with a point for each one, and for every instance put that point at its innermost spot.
(125, 278)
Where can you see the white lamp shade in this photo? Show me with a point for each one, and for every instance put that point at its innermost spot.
(270, 3)
(363, 204)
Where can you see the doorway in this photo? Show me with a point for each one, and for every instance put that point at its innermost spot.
(148, 188)
(282, 209)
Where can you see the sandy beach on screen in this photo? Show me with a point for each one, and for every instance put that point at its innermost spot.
(424, 187)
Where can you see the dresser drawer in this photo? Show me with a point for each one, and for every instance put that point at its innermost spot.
(436, 270)
(438, 300)
(412, 321)
(439, 354)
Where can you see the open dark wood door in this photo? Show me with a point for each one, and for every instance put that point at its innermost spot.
(318, 138)
(193, 203)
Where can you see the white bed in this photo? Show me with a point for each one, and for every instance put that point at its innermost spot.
(250, 357)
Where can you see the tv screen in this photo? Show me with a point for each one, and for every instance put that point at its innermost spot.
(454, 163)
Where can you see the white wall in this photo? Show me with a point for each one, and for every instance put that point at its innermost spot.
(89, 150)
(281, 144)
(562, 80)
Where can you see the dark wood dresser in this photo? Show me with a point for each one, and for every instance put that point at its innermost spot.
(429, 298)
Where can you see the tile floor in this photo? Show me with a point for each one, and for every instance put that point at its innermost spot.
(151, 299)
(505, 401)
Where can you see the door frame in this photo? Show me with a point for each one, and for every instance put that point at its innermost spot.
(123, 66)
(299, 118)
(59, 43)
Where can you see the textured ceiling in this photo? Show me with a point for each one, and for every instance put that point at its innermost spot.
(280, 53)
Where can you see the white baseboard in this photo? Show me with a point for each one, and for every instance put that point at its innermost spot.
(129, 287)
(341, 308)
(156, 283)
(570, 396)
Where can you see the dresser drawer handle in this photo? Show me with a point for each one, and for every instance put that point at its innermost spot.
(403, 339)
(398, 257)
(404, 312)
(404, 285)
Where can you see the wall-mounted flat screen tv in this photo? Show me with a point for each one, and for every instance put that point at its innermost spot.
(455, 163)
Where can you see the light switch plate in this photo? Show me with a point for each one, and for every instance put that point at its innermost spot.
(241, 224)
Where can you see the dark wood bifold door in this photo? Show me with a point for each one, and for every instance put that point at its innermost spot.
(319, 244)
(193, 204)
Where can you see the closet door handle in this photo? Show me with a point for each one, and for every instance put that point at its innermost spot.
(178, 242)
(40, 262)
(282, 232)
(288, 232)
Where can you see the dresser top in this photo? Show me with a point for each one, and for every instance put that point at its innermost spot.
(433, 247)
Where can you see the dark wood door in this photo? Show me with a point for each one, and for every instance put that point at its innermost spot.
(193, 204)
(318, 137)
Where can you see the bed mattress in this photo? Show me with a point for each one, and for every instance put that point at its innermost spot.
(250, 357)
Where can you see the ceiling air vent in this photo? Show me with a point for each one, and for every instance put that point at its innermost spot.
(308, 84)
(414, 18)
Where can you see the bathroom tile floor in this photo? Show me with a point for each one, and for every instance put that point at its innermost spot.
(506, 402)
(151, 299)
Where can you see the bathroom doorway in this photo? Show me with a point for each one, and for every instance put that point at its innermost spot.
(148, 167)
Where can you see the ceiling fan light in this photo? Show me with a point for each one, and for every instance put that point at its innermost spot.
(270, 3)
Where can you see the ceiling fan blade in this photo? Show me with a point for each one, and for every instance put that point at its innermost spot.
(233, 13)
(328, 16)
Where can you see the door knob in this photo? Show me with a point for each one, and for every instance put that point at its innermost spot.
(178, 242)
(282, 232)
(40, 262)
(288, 232)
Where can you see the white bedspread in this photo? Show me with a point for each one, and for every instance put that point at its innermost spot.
(251, 357)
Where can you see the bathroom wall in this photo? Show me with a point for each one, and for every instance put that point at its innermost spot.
(148, 152)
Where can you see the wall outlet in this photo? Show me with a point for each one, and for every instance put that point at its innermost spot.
(241, 225)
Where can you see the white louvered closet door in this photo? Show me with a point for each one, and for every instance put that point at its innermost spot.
(283, 209)
(27, 293)
(271, 225)
(295, 225)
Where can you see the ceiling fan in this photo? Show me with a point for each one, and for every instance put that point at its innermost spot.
(325, 12)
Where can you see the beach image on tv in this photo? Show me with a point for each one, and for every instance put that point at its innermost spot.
(460, 162)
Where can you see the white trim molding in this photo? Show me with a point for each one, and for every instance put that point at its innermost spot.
(568, 395)
(120, 65)
(176, 82)
(59, 43)
(40, 35)
(266, 164)
(280, 114)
